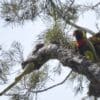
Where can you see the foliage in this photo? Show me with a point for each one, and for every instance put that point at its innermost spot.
(79, 82)
(19, 97)
(19, 11)
(57, 35)
(35, 81)
(67, 8)
(10, 58)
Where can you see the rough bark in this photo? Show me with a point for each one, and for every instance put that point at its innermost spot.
(72, 60)
(68, 58)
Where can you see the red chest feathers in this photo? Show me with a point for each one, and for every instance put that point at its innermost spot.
(81, 42)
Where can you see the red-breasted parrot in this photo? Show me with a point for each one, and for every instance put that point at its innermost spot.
(88, 47)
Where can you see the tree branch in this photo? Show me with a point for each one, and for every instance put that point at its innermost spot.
(96, 5)
(69, 22)
(46, 89)
(53, 86)
(68, 58)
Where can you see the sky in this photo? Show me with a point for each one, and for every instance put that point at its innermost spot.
(27, 35)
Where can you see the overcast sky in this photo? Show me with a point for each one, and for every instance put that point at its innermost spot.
(27, 35)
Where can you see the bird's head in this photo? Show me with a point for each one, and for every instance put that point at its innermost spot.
(78, 34)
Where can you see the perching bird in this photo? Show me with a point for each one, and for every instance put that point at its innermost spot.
(90, 48)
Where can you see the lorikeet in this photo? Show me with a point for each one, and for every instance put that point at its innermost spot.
(90, 48)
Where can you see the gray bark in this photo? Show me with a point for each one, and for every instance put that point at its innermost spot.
(72, 60)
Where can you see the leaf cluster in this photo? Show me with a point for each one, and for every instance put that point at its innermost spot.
(55, 35)
(17, 11)
(9, 58)
(79, 82)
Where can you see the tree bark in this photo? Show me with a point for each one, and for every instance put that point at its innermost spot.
(72, 60)
(68, 58)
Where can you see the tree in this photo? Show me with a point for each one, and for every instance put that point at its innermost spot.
(66, 13)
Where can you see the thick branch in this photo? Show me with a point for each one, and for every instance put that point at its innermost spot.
(68, 58)
(72, 60)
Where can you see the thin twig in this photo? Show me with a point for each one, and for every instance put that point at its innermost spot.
(67, 21)
(96, 5)
(46, 89)
(53, 86)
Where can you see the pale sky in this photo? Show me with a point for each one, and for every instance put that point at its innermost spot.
(26, 35)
